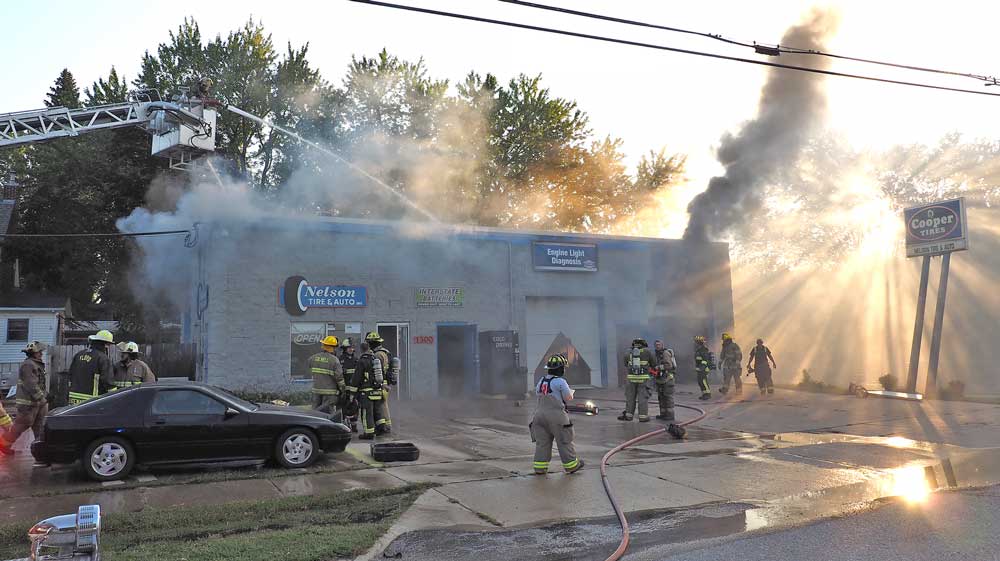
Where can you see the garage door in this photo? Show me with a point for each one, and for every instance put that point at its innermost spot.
(568, 325)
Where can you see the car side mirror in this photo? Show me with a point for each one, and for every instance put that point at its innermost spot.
(230, 412)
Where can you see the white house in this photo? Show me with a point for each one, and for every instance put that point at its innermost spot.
(25, 317)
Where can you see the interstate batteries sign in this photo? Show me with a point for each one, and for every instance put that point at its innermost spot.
(936, 228)
(556, 256)
(297, 296)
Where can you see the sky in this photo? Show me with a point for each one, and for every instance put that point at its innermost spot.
(651, 99)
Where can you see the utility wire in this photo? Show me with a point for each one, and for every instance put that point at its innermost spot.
(666, 48)
(99, 235)
(759, 47)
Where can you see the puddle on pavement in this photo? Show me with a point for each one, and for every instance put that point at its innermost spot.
(941, 468)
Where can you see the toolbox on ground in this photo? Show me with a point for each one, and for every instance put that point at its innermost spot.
(395, 452)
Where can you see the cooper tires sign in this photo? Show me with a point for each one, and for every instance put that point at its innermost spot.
(936, 228)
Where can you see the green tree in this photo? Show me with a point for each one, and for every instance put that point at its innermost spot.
(64, 93)
(112, 90)
(247, 73)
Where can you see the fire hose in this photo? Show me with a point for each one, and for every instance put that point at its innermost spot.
(623, 546)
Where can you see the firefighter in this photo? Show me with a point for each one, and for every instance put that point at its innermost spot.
(664, 376)
(350, 365)
(390, 369)
(32, 406)
(731, 363)
(130, 371)
(5, 426)
(551, 422)
(91, 373)
(759, 357)
(328, 377)
(638, 361)
(703, 365)
(370, 382)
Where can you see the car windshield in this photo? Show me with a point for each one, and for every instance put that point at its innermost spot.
(249, 405)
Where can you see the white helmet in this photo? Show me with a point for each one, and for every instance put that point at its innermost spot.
(129, 347)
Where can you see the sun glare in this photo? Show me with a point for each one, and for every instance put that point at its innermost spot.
(910, 484)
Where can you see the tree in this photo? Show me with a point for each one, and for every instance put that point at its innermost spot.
(64, 93)
(112, 90)
(247, 73)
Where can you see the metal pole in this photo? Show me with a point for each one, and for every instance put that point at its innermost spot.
(932, 367)
(918, 327)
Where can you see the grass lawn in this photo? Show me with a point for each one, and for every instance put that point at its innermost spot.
(340, 525)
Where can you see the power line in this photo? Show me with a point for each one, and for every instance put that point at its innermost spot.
(99, 235)
(758, 47)
(670, 49)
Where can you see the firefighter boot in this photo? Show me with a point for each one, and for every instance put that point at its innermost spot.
(578, 467)
(624, 416)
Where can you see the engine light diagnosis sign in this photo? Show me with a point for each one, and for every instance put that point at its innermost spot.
(297, 296)
(936, 228)
(557, 256)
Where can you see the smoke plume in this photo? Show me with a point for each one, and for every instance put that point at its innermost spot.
(791, 106)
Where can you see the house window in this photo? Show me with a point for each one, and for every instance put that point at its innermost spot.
(17, 330)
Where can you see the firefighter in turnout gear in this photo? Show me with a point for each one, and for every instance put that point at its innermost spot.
(704, 363)
(328, 377)
(390, 370)
(130, 371)
(731, 363)
(664, 375)
(551, 422)
(6, 423)
(350, 365)
(370, 381)
(638, 361)
(32, 404)
(91, 373)
(759, 357)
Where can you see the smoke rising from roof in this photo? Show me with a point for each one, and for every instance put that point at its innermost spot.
(792, 105)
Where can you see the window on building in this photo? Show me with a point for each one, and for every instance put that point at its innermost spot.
(305, 338)
(17, 330)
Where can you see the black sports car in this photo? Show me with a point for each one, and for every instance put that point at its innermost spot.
(182, 422)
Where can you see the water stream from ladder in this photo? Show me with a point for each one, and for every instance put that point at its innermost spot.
(403, 198)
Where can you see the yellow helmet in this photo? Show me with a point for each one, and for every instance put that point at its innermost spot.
(330, 341)
(103, 336)
(699, 338)
(726, 336)
(373, 337)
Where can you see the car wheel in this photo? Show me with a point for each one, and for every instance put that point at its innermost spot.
(297, 448)
(108, 458)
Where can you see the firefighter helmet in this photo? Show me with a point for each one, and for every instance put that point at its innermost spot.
(699, 338)
(727, 337)
(556, 362)
(329, 341)
(129, 347)
(103, 336)
(35, 347)
(346, 342)
(374, 337)
(639, 342)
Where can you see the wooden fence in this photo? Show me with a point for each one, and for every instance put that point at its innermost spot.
(167, 360)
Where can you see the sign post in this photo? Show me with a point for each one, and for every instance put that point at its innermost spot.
(933, 229)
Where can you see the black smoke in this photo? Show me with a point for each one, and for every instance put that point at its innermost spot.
(792, 104)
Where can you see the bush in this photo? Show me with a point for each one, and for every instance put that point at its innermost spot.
(807, 384)
(954, 390)
(889, 382)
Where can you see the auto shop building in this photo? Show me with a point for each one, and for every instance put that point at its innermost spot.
(469, 310)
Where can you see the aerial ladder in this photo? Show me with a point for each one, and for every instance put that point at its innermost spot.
(182, 129)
